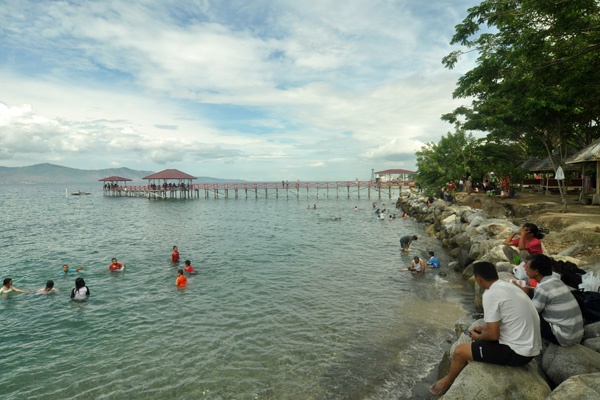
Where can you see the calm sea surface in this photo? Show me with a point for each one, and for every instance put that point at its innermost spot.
(288, 303)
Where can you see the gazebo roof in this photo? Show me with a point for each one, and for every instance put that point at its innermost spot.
(170, 174)
(588, 153)
(530, 163)
(114, 178)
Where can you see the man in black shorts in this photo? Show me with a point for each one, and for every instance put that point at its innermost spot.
(405, 242)
(511, 335)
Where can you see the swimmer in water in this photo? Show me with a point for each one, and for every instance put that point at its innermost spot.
(181, 281)
(8, 287)
(80, 292)
(116, 266)
(189, 269)
(49, 289)
(175, 255)
(65, 269)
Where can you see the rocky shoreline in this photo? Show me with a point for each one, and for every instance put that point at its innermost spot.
(476, 234)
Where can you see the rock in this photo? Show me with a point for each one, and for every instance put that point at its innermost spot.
(560, 363)
(491, 382)
(504, 266)
(593, 343)
(580, 387)
(571, 250)
(591, 330)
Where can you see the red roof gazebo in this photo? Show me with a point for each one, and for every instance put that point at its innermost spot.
(114, 179)
(170, 174)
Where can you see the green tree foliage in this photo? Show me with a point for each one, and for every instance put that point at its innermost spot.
(460, 153)
(537, 79)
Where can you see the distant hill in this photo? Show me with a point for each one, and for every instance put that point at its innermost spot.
(51, 173)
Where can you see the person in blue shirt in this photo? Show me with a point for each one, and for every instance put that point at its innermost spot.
(434, 262)
(66, 270)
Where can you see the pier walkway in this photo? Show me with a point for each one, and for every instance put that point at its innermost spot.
(298, 190)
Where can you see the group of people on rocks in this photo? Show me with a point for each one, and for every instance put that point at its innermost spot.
(81, 292)
(518, 317)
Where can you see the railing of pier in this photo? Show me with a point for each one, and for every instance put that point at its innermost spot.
(297, 189)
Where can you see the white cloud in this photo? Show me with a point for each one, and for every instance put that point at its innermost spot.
(237, 89)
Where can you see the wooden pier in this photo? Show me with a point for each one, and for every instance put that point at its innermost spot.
(277, 190)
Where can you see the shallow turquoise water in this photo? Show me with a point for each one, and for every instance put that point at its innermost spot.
(288, 304)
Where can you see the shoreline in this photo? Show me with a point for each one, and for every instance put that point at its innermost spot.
(473, 229)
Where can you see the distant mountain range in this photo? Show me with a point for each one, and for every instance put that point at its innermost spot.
(51, 173)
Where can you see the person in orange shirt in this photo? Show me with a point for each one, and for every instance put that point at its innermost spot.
(181, 281)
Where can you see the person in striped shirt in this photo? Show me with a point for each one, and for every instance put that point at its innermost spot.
(560, 316)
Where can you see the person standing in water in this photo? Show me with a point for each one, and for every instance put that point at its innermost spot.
(80, 292)
(181, 281)
(175, 255)
(8, 287)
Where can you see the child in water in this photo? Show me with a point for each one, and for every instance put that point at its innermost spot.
(8, 287)
(189, 269)
(181, 281)
(115, 265)
(175, 255)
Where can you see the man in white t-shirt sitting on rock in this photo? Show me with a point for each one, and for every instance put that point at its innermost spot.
(511, 335)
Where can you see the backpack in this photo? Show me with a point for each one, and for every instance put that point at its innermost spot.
(589, 303)
(570, 274)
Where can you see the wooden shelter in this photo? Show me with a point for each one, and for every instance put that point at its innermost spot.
(591, 154)
(180, 186)
(113, 186)
(114, 179)
(392, 175)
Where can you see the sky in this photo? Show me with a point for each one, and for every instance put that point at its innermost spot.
(257, 90)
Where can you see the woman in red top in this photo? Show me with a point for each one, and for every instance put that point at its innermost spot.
(528, 242)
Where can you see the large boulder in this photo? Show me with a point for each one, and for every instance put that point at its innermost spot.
(593, 343)
(560, 363)
(491, 382)
(591, 330)
(580, 387)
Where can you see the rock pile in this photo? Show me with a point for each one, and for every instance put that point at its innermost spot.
(472, 234)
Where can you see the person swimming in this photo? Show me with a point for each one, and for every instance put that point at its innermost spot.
(116, 266)
(49, 289)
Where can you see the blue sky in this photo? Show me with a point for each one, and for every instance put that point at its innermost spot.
(256, 90)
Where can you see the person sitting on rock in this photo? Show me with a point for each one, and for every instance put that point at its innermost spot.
(511, 335)
(528, 243)
(561, 321)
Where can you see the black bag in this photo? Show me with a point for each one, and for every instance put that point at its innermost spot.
(589, 303)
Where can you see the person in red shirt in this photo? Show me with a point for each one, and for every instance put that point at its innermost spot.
(188, 268)
(175, 255)
(528, 243)
(116, 266)
(181, 281)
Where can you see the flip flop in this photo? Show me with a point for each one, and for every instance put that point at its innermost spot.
(437, 391)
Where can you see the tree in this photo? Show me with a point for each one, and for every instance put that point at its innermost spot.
(537, 74)
(459, 153)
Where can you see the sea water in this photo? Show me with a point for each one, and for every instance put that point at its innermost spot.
(289, 302)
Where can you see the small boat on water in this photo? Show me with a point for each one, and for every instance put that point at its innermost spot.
(80, 193)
